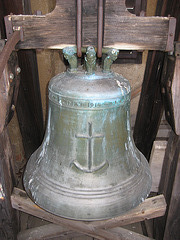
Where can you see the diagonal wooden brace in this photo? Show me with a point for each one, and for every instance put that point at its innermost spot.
(150, 208)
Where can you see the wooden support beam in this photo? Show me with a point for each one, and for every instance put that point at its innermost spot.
(167, 181)
(122, 30)
(156, 162)
(176, 94)
(62, 233)
(173, 218)
(150, 107)
(48, 230)
(9, 85)
(7, 50)
(8, 217)
(29, 106)
(150, 208)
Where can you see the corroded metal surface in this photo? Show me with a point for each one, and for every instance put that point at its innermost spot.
(88, 167)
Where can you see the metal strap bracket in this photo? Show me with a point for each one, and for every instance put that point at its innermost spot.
(171, 34)
(100, 28)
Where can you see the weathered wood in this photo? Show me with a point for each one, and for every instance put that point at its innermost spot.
(171, 91)
(23, 203)
(167, 179)
(166, 83)
(29, 107)
(172, 231)
(170, 7)
(9, 85)
(132, 33)
(121, 29)
(150, 208)
(134, 57)
(169, 167)
(176, 95)
(8, 218)
(7, 50)
(126, 234)
(156, 162)
(56, 231)
(4, 99)
(45, 231)
(150, 107)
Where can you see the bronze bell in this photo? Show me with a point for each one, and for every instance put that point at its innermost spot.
(88, 167)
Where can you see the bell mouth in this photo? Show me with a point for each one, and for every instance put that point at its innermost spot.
(88, 204)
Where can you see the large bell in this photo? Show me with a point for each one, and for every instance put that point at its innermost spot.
(88, 167)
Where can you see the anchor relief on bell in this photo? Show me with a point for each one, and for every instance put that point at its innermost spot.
(88, 167)
(93, 163)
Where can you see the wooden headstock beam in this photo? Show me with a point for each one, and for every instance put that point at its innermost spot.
(122, 30)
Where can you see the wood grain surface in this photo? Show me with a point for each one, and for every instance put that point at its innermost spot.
(150, 208)
(122, 30)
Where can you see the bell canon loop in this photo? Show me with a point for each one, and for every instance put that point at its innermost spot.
(88, 167)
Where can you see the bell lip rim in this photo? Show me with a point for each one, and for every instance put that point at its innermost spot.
(141, 200)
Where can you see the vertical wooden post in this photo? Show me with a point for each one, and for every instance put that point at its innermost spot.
(9, 83)
(172, 231)
(29, 108)
(168, 179)
(8, 217)
(150, 107)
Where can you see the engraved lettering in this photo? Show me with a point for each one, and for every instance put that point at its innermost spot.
(85, 104)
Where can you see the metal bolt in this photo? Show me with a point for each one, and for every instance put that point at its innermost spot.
(18, 70)
(170, 53)
(16, 28)
(11, 76)
(13, 107)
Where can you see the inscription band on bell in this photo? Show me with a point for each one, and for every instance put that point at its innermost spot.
(87, 104)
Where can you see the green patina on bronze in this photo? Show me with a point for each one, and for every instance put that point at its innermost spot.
(88, 167)
(90, 60)
(112, 55)
(70, 54)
